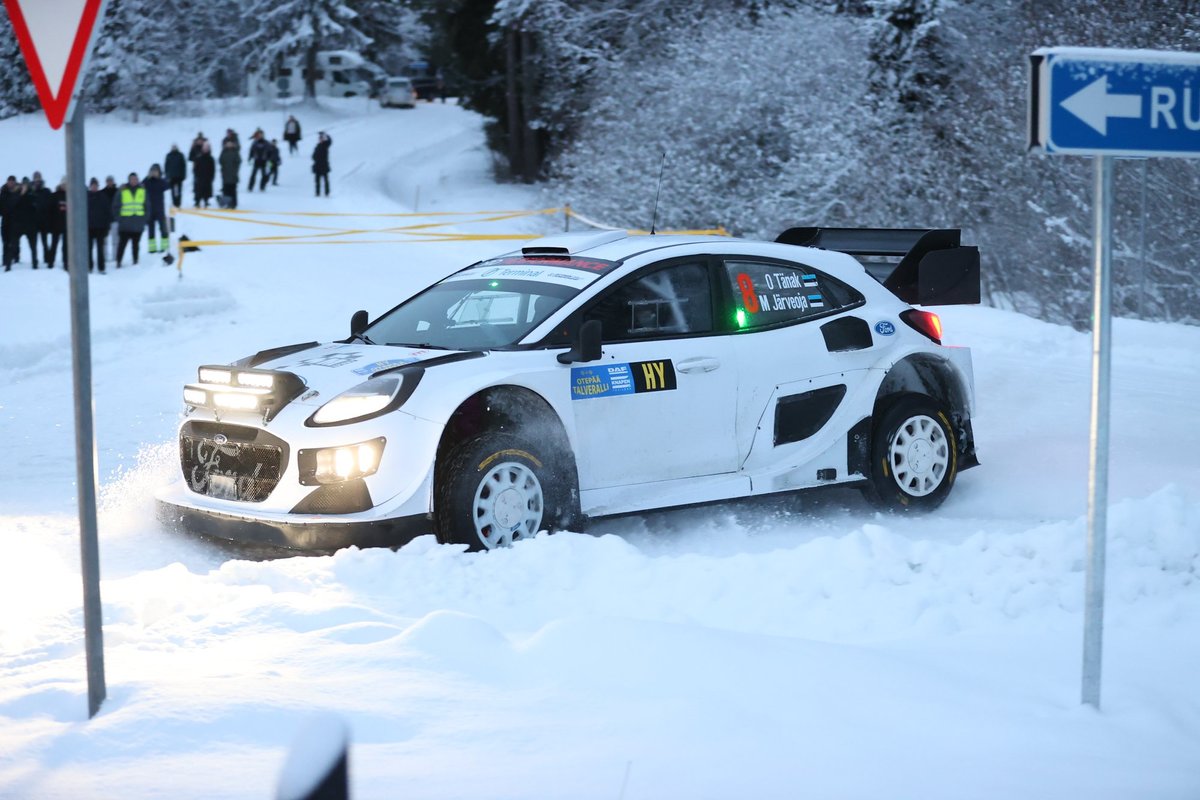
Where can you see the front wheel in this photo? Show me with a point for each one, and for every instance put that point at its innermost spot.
(496, 489)
(914, 455)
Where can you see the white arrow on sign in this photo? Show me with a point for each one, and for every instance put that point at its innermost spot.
(1094, 105)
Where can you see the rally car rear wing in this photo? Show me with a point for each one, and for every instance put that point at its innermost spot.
(920, 266)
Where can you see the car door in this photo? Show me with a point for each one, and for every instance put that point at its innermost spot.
(803, 349)
(660, 403)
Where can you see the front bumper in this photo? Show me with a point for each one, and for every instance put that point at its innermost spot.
(298, 532)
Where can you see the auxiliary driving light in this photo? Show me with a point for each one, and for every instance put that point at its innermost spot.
(339, 464)
(245, 400)
(194, 397)
(210, 375)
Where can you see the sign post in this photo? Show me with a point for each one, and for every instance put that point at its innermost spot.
(1106, 103)
(56, 53)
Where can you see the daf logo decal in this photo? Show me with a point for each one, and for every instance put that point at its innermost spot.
(220, 439)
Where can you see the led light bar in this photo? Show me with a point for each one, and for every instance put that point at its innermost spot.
(234, 389)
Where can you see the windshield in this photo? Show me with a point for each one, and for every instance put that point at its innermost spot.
(479, 314)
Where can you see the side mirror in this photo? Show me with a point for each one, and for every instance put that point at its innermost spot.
(358, 322)
(587, 344)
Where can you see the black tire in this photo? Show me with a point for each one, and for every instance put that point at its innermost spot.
(500, 487)
(914, 455)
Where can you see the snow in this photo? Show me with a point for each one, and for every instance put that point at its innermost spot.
(780, 647)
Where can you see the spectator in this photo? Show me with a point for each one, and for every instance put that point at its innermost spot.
(25, 216)
(8, 225)
(129, 209)
(58, 224)
(42, 202)
(197, 146)
(259, 152)
(99, 218)
(110, 192)
(273, 159)
(291, 134)
(203, 173)
(320, 159)
(231, 136)
(156, 210)
(176, 170)
(230, 161)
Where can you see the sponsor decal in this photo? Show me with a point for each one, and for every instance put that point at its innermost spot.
(375, 366)
(332, 359)
(609, 380)
(884, 328)
(574, 262)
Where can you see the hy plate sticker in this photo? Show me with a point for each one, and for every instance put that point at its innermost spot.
(884, 328)
(609, 380)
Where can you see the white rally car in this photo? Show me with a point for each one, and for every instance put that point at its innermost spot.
(594, 374)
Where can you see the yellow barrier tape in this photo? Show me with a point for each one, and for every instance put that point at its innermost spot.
(247, 211)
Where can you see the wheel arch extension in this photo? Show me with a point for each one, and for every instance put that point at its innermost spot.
(511, 409)
(924, 373)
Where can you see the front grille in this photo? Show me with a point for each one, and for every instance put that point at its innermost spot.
(231, 462)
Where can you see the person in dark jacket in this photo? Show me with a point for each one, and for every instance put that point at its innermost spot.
(8, 225)
(197, 146)
(291, 134)
(204, 170)
(129, 208)
(25, 216)
(99, 219)
(273, 158)
(231, 136)
(58, 224)
(109, 190)
(175, 168)
(42, 203)
(320, 158)
(156, 210)
(230, 161)
(258, 154)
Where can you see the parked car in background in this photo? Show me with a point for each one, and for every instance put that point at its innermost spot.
(398, 93)
(426, 80)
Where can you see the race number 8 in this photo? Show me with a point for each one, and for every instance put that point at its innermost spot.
(749, 298)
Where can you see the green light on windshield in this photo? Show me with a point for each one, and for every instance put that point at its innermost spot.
(741, 318)
(494, 284)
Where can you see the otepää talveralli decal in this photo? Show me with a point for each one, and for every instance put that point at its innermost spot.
(609, 380)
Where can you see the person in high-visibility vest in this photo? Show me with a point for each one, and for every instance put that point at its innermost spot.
(129, 210)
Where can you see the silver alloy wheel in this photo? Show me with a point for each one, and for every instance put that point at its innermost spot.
(508, 505)
(919, 455)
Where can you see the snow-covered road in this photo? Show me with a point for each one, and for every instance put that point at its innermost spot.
(781, 647)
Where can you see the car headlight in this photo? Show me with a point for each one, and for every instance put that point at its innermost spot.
(369, 399)
(339, 464)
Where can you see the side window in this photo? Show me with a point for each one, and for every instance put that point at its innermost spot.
(668, 302)
(770, 294)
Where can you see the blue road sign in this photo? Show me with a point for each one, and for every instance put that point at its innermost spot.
(1086, 101)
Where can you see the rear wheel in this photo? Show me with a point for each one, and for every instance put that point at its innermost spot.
(914, 455)
(496, 489)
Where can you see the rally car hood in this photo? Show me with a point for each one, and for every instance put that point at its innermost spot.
(330, 369)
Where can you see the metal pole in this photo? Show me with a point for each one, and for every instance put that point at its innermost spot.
(1142, 247)
(1093, 613)
(85, 434)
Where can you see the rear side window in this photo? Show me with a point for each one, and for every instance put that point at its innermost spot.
(766, 293)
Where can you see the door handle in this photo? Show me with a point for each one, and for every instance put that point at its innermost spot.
(698, 365)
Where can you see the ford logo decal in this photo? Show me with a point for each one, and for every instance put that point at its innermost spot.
(221, 438)
(884, 328)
